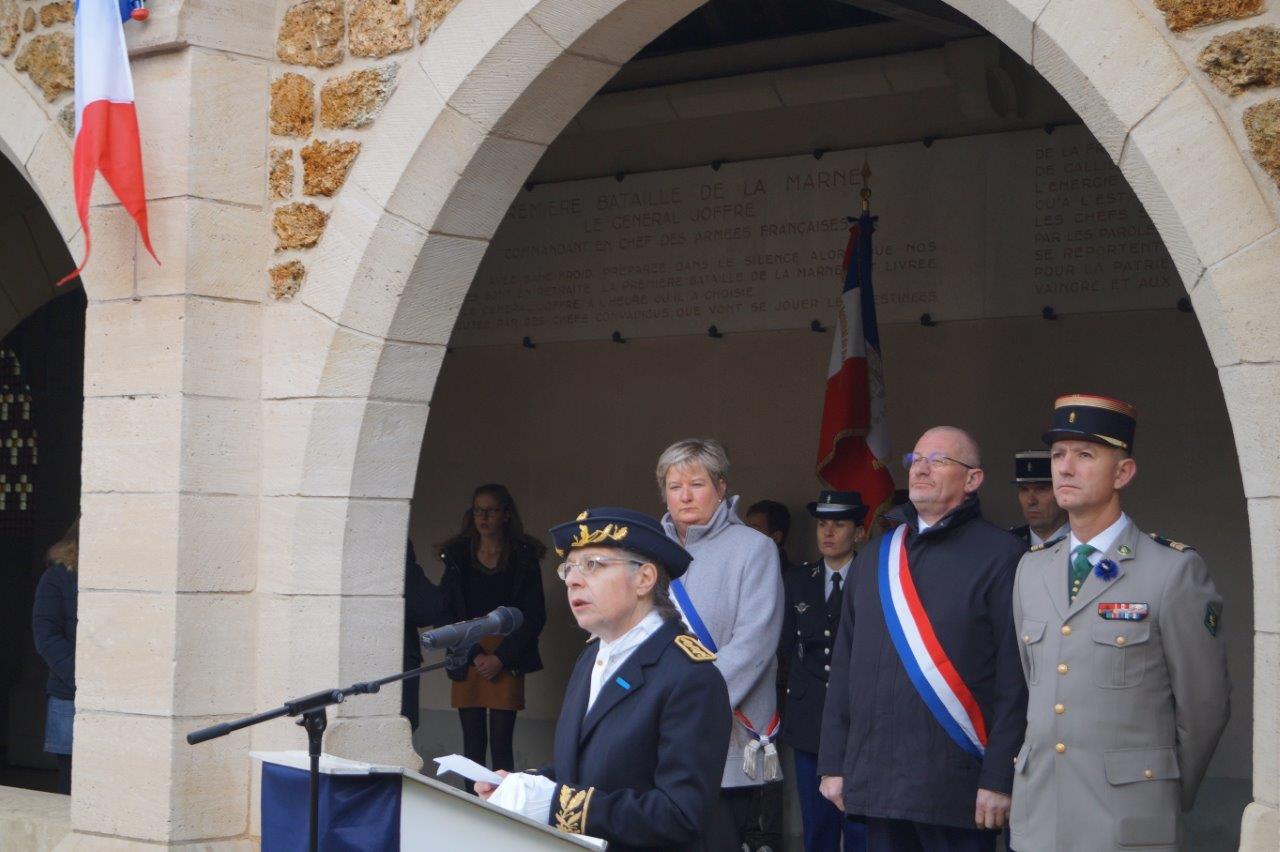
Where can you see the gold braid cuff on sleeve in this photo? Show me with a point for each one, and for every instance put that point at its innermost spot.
(571, 816)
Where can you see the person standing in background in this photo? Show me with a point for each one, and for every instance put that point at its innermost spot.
(814, 594)
(768, 815)
(488, 564)
(423, 607)
(53, 623)
(1046, 522)
(774, 520)
(731, 598)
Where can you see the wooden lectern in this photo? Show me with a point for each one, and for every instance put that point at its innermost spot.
(389, 808)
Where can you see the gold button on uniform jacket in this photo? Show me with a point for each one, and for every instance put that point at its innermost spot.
(1128, 694)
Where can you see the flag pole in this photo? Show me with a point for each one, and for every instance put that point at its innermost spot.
(866, 185)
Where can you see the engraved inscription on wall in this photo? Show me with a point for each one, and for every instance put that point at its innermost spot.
(989, 226)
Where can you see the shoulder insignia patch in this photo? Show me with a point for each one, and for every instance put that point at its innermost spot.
(1168, 542)
(694, 649)
(1212, 615)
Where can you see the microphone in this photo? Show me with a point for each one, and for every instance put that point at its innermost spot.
(464, 634)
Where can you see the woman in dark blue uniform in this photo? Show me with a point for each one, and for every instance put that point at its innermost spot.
(645, 722)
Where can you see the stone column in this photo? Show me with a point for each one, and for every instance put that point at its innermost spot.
(167, 610)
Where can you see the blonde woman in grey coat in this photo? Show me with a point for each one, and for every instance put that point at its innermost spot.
(732, 600)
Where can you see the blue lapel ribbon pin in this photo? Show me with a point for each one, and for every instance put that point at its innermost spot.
(1106, 570)
(622, 683)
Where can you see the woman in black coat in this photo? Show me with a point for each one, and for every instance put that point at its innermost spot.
(492, 563)
(53, 623)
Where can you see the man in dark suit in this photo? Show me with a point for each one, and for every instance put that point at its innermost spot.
(812, 618)
(1046, 522)
(926, 706)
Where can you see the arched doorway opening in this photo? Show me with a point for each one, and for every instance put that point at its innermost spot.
(700, 167)
(41, 400)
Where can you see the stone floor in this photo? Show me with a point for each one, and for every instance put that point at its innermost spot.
(31, 821)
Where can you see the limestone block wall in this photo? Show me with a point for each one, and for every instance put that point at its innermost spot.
(172, 405)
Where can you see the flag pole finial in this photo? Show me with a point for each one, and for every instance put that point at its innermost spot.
(866, 184)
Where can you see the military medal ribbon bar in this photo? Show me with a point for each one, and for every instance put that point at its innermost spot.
(1123, 611)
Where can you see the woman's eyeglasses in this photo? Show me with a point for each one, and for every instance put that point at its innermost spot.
(589, 567)
(485, 512)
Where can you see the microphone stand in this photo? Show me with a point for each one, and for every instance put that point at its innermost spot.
(314, 720)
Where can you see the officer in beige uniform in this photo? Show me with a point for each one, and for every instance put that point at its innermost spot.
(1120, 636)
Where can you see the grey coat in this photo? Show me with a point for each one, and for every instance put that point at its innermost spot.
(736, 586)
(1123, 715)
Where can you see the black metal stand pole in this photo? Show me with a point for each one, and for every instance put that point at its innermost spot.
(314, 720)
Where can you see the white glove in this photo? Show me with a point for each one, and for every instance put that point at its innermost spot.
(527, 795)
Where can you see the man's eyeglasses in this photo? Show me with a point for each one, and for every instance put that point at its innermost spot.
(485, 512)
(590, 566)
(934, 460)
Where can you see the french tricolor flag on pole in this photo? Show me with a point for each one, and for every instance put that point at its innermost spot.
(853, 445)
(106, 122)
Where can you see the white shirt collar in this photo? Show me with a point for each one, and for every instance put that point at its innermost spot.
(828, 572)
(1061, 532)
(611, 655)
(923, 524)
(1103, 540)
(632, 638)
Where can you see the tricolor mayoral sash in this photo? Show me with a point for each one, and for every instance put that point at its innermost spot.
(923, 656)
(762, 742)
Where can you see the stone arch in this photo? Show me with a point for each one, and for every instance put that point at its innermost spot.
(497, 83)
(38, 147)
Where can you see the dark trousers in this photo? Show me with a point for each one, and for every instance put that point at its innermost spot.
(764, 823)
(900, 835)
(64, 774)
(823, 822)
(488, 732)
(729, 819)
(409, 707)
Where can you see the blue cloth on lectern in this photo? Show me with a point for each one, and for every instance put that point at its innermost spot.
(358, 813)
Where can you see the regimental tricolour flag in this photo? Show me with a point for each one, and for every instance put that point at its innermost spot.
(106, 122)
(853, 447)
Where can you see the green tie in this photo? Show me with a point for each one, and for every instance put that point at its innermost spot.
(1080, 569)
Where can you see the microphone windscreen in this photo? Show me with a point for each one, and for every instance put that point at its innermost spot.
(509, 619)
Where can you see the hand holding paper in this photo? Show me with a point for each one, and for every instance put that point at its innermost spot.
(467, 768)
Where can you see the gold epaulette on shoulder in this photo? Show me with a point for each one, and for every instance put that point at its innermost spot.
(1035, 548)
(694, 649)
(1168, 542)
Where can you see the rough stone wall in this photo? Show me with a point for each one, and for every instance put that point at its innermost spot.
(36, 42)
(348, 51)
(1242, 62)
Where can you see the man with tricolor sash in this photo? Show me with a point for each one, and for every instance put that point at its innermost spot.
(1121, 641)
(926, 703)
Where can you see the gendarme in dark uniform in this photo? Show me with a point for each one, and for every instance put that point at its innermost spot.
(1031, 467)
(810, 623)
(1122, 649)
